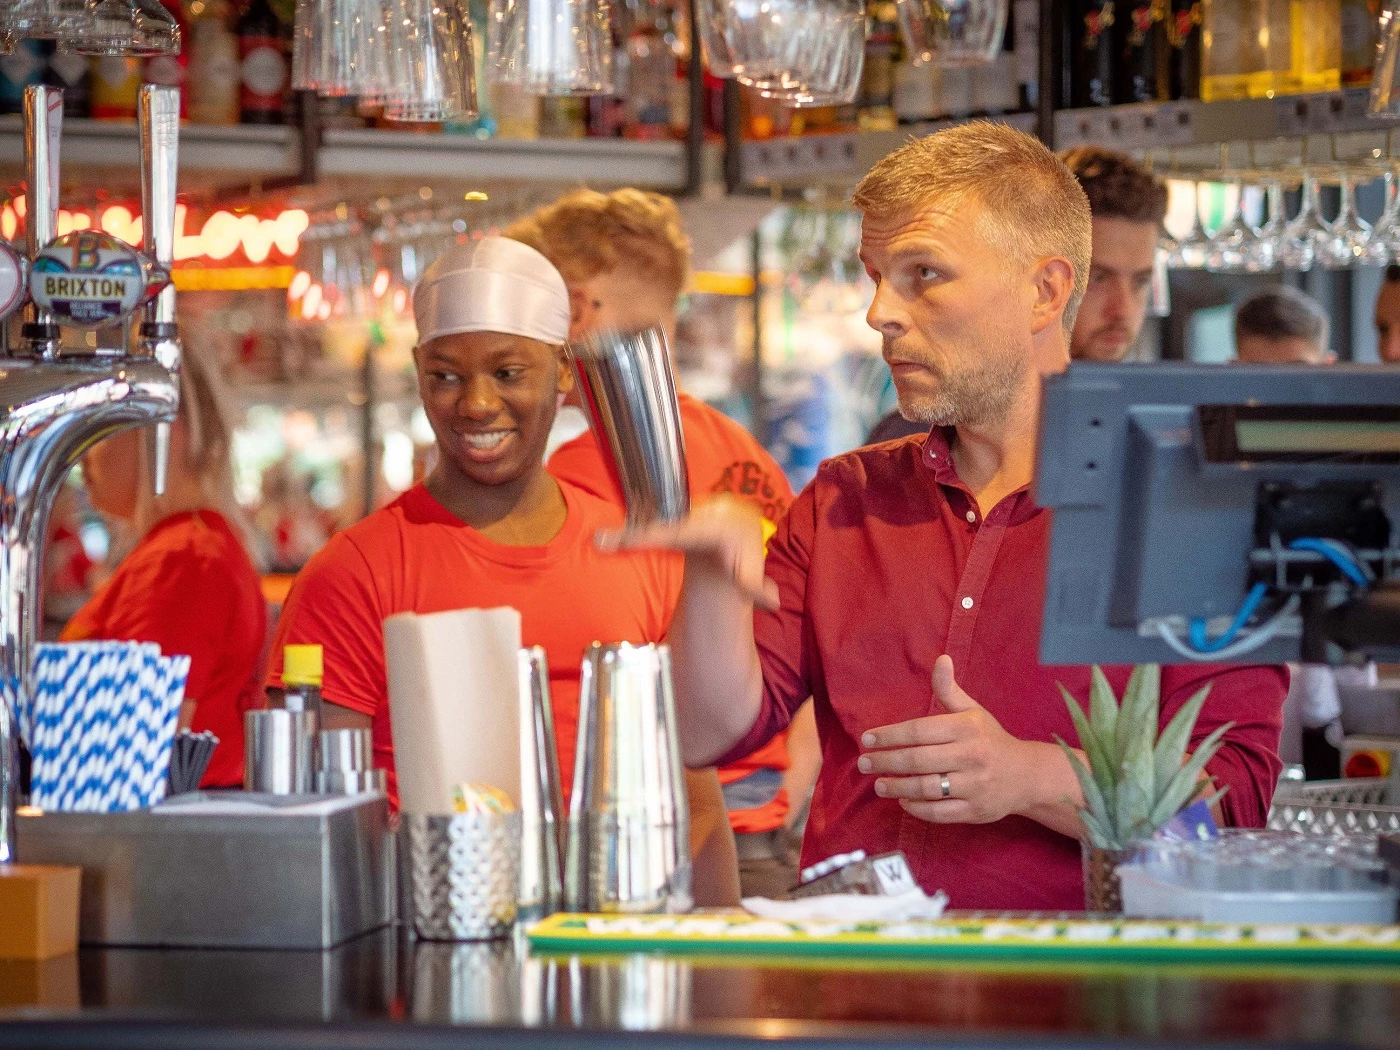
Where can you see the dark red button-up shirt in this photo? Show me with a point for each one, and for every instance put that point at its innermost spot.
(884, 563)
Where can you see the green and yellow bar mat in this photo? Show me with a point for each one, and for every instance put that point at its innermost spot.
(1047, 939)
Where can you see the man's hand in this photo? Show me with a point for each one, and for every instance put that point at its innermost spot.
(989, 773)
(722, 540)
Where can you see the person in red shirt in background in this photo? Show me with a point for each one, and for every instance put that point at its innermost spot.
(905, 588)
(626, 259)
(189, 584)
(489, 527)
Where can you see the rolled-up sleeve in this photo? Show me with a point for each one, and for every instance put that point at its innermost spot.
(783, 636)
(1250, 697)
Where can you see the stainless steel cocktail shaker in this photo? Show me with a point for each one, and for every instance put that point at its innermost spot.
(629, 821)
(541, 807)
(629, 394)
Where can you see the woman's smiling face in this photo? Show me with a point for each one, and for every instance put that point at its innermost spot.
(491, 398)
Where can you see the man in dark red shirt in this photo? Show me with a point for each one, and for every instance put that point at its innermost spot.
(922, 560)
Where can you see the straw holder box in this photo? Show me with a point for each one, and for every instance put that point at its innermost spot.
(226, 871)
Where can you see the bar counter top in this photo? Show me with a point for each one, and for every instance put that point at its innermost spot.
(383, 990)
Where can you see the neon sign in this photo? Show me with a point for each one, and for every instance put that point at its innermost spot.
(222, 234)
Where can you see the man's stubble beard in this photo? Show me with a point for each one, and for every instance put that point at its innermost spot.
(978, 394)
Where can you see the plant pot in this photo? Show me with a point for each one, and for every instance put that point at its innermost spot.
(1103, 891)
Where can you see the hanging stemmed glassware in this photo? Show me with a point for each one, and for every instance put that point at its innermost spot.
(1308, 231)
(551, 47)
(824, 57)
(952, 32)
(746, 38)
(129, 28)
(60, 20)
(1189, 252)
(1348, 234)
(432, 69)
(1270, 233)
(341, 47)
(1384, 244)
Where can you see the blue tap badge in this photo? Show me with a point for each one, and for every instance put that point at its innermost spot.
(90, 279)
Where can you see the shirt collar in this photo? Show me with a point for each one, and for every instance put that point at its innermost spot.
(938, 457)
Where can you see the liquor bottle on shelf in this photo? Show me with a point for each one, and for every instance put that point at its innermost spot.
(1360, 26)
(1025, 24)
(877, 75)
(915, 92)
(214, 71)
(116, 82)
(1230, 53)
(26, 65)
(1140, 40)
(72, 73)
(678, 39)
(517, 112)
(1304, 46)
(1093, 62)
(994, 86)
(563, 117)
(1263, 48)
(651, 70)
(171, 70)
(1184, 39)
(263, 67)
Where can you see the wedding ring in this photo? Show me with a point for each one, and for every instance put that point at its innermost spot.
(947, 787)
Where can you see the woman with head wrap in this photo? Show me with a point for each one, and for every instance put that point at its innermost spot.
(488, 526)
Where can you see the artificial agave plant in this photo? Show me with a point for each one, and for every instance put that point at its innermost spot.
(1136, 781)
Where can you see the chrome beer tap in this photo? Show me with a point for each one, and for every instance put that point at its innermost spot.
(55, 404)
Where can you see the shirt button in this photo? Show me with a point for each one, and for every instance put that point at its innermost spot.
(967, 603)
(972, 516)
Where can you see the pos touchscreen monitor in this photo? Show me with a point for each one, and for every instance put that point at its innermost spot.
(1220, 512)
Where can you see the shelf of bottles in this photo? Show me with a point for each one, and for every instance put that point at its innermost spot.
(1132, 74)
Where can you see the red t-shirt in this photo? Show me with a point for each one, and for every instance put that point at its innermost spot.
(416, 556)
(720, 457)
(190, 587)
(875, 564)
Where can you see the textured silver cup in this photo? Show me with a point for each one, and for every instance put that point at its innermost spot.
(629, 395)
(464, 874)
(628, 836)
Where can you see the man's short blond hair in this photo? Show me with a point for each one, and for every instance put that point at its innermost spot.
(1034, 206)
(586, 233)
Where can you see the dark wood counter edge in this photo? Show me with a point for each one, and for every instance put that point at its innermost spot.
(66, 1033)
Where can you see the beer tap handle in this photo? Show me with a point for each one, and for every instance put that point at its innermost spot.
(43, 131)
(160, 143)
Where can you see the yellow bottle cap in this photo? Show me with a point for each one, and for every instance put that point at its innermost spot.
(301, 665)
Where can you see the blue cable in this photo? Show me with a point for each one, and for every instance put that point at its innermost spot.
(1334, 553)
(1202, 644)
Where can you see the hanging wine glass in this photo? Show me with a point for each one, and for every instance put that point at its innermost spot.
(1189, 252)
(1233, 244)
(823, 59)
(952, 32)
(552, 47)
(1384, 244)
(1270, 233)
(1349, 233)
(139, 28)
(1298, 250)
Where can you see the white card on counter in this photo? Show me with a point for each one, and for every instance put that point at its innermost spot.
(454, 703)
